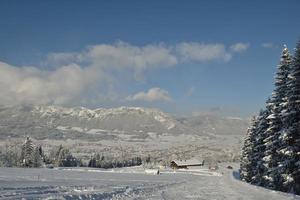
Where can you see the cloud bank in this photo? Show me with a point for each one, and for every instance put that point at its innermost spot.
(90, 75)
(30, 85)
(202, 52)
(153, 94)
(122, 55)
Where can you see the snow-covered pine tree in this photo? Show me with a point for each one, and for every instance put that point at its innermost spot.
(42, 154)
(290, 134)
(276, 105)
(259, 168)
(10, 155)
(247, 159)
(277, 144)
(26, 154)
(272, 144)
(281, 79)
(66, 159)
(36, 159)
(92, 162)
(54, 154)
(285, 64)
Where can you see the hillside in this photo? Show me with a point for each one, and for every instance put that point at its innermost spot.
(131, 129)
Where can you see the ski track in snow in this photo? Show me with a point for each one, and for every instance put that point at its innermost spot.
(130, 183)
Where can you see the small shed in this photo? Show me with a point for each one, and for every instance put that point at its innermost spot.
(184, 164)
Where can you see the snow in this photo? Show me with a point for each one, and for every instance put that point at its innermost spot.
(129, 183)
(286, 151)
(103, 113)
(152, 171)
(128, 131)
(99, 112)
(163, 120)
(271, 116)
(289, 179)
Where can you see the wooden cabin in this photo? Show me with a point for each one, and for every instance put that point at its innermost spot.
(185, 164)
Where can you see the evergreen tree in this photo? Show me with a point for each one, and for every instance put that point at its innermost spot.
(136, 161)
(247, 159)
(276, 105)
(281, 79)
(66, 159)
(10, 156)
(26, 154)
(37, 159)
(259, 148)
(284, 178)
(272, 159)
(92, 162)
(54, 155)
(290, 134)
(272, 144)
(41, 153)
(99, 160)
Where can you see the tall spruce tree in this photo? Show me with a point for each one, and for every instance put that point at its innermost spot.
(259, 148)
(285, 64)
(247, 159)
(271, 145)
(276, 105)
(290, 134)
(36, 157)
(27, 151)
(281, 79)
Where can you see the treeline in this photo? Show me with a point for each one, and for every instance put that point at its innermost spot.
(106, 162)
(271, 151)
(30, 155)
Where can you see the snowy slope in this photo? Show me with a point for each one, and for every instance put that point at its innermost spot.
(84, 183)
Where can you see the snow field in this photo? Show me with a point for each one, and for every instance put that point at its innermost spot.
(128, 183)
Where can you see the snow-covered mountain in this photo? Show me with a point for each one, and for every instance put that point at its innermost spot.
(136, 131)
(57, 122)
(104, 116)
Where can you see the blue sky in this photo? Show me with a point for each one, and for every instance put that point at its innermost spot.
(179, 56)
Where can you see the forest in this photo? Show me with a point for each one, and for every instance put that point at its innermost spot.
(30, 155)
(271, 152)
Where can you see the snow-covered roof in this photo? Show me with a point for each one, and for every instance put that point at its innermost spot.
(188, 162)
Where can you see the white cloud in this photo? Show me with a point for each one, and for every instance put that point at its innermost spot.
(119, 56)
(269, 45)
(30, 85)
(153, 94)
(93, 74)
(202, 52)
(123, 55)
(239, 47)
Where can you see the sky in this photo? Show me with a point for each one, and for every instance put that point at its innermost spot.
(178, 56)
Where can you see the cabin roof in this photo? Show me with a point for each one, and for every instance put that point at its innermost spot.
(188, 162)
